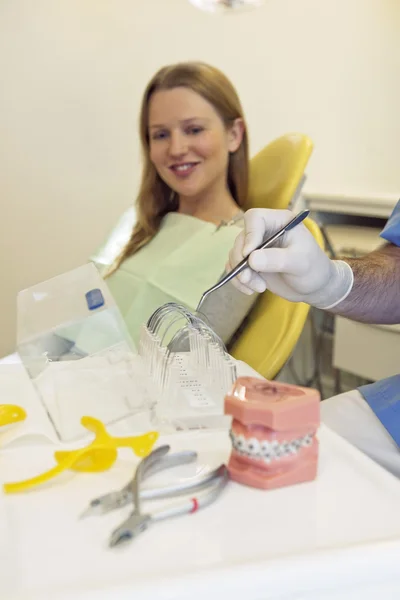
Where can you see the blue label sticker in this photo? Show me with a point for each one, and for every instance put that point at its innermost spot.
(94, 299)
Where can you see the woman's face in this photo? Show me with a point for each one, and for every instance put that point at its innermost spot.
(189, 143)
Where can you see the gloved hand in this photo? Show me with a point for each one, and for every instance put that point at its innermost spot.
(296, 268)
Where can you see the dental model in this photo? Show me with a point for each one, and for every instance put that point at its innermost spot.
(273, 433)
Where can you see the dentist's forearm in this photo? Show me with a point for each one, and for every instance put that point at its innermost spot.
(375, 295)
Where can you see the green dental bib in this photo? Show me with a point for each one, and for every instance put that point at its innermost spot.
(186, 257)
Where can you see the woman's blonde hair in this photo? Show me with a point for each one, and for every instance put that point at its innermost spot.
(155, 198)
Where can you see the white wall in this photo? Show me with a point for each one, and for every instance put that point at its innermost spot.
(72, 73)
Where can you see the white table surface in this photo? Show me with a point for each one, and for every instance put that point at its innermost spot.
(337, 537)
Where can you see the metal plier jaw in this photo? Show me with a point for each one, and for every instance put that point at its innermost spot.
(213, 481)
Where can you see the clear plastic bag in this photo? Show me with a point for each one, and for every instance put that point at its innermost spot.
(74, 344)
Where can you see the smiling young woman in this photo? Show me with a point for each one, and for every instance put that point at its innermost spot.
(188, 209)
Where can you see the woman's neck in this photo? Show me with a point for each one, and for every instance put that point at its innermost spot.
(213, 207)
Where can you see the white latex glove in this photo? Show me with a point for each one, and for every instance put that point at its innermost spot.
(296, 268)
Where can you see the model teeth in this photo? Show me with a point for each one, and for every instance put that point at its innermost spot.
(241, 443)
(267, 451)
(253, 446)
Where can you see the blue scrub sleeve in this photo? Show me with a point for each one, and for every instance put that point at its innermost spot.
(391, 231)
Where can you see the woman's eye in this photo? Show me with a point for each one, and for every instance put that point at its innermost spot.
(195, 130)
(159, 135)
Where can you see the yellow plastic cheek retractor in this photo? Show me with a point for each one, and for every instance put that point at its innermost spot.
(141, 445)
(99, 456)
(11, 413)
(90, 460)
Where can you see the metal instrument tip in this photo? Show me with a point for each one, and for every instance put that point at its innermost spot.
(119, 536)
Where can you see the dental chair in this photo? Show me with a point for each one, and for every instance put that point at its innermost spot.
(273, 327)
(270, 332)
(277, 172)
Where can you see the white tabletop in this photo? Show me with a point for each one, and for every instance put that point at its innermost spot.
(337, 537)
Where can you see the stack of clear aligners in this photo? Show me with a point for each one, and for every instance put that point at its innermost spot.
(187, 362)
(211, 363)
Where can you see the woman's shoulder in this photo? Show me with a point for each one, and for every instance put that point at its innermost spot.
(116, 240)
(237, 221)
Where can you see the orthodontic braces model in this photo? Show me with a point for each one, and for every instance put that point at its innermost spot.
(273, 433)
(188, 365)
(268, 451)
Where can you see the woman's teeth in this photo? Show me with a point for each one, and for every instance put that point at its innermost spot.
(183, 168)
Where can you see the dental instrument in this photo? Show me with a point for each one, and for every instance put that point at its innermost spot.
(245, 262)
(138, 522)
(118, 499)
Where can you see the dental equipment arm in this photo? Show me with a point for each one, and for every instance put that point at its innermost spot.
(364, 289)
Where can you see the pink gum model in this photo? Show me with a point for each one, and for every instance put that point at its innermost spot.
(273, 433)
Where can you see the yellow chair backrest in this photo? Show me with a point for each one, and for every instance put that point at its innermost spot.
(277, 171)
(274, 325)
